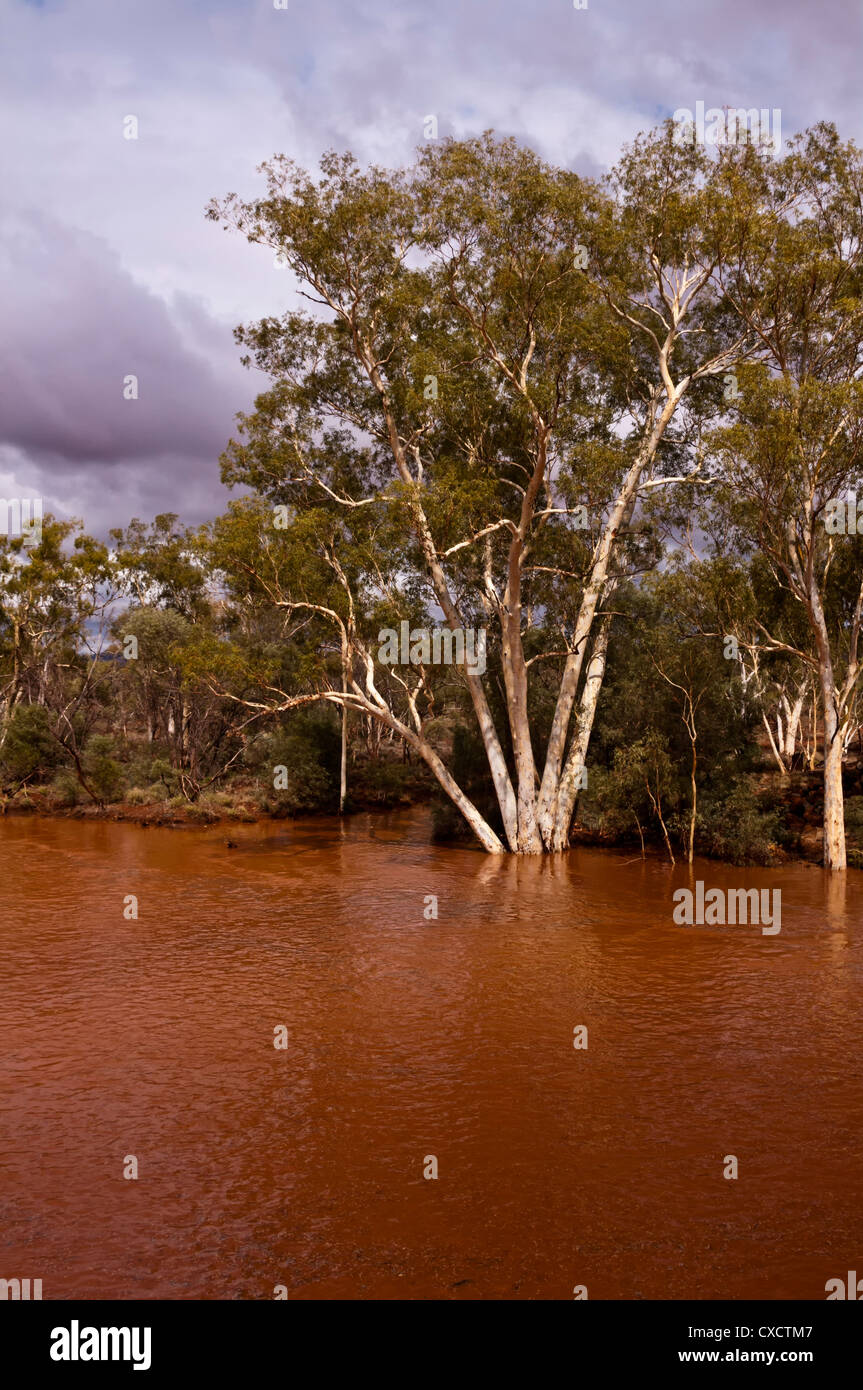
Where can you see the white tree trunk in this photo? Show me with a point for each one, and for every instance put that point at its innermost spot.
(834, 807)
(792, 726)
(569, 782)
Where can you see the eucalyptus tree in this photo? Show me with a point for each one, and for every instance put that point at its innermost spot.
(55, 600)
(589, 304)
(161, 565)
(499, 363)
(792, 453)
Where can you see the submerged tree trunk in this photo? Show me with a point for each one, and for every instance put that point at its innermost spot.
(834, 806)
(343, 769)
(343, 761)
(694, 814)
(548, 815)
(573, 778)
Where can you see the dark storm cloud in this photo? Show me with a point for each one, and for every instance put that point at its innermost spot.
(112, 268)
(76, 326)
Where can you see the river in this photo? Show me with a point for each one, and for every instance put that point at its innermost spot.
(411, 1037)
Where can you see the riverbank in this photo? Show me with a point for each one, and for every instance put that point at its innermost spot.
(791, 807)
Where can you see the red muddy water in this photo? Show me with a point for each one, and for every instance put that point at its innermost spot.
(408, 1038)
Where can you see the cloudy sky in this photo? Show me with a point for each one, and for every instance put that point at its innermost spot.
(108, 266)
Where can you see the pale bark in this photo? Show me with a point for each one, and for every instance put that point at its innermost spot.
(694, 785)
(528, 838)
(343, 765)
(834, 809)
(792, 725)
(812, 737)
(568, 789)
(773, 746)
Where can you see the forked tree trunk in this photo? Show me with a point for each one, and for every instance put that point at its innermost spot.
(792, 726)
(773, 748)
(571, 779)
(548, 816)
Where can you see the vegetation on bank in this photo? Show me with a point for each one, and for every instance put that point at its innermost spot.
(754, 815)
(613, 430)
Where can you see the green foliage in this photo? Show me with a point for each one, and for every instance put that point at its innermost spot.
(67, 789)
(735, 825)
(854, 814)
(103, 773)
(139, 796)
(641, 786)
(309, 749)
(470, 769)
(29, 751)
(386, 783)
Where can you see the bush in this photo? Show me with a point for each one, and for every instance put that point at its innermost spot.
(66, 787)
(854, 813)
(30, 749)
(163, 775)
(103, 773)
(310, 749)
(139, 796)
(608, 807)
(737, 827)
(385, 783)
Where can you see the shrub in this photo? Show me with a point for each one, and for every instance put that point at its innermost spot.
(30, 749)
(854, 813)
(162, 774)
(102, 771)
(310, 749)
(138, 796)
(67, 789)
(737, 827)
(385, 783)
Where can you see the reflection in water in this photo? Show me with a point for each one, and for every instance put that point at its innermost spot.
(410, 1037)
